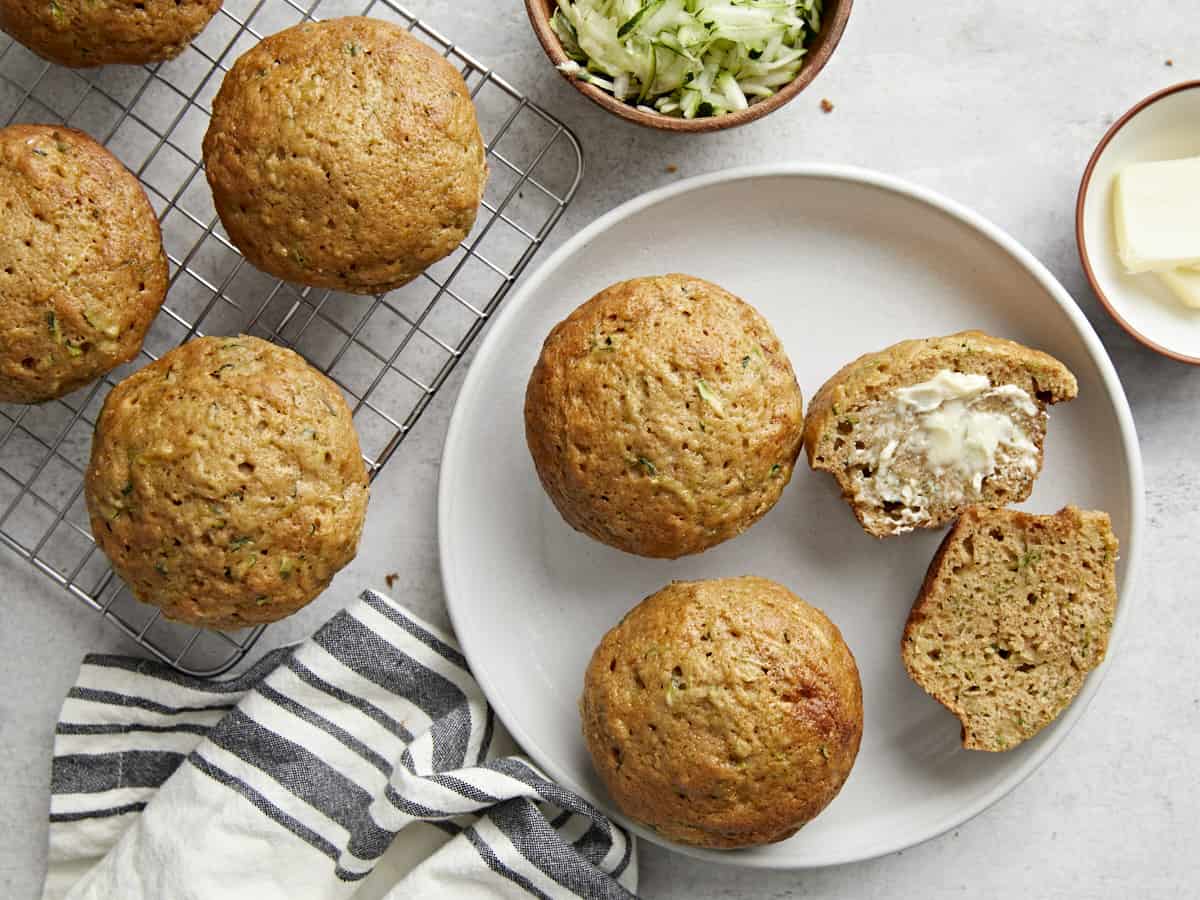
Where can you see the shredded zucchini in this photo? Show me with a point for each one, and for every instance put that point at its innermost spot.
(686, 58)
(709, 396)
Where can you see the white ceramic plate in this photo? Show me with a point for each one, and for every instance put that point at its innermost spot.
(841, 261)
(1165, 125)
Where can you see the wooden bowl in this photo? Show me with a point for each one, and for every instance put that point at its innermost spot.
(820, 48)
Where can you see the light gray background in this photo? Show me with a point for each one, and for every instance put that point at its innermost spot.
(998, 105)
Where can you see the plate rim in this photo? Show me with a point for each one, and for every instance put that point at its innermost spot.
(1081, 201)
(491, 344)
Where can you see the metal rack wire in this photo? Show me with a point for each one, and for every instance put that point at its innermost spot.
(390, 354)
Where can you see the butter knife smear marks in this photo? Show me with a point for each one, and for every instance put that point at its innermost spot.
(1157, 221)
(960, 424)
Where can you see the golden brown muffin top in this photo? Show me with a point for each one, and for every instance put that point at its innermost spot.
(663, 416)
(723, 713)
(345, 154)
(82, 268)
(104, 32)
(226, 483)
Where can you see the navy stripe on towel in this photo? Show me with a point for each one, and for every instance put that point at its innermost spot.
(162, 672)
(493, 862)
(309, 777)
(317, 721)
(93, 773)
(368, 709)
(265, 806)
(302, 773)
(430, 640)
(112, 698)
(116, 728)
(106, 813)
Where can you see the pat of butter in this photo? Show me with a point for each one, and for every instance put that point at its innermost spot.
(956, 435)
(945, 385)
(1184, 284)
(1157, 215)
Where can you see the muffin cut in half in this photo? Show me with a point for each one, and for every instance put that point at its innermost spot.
(1015, 611)
(916, 432)
(723, 713)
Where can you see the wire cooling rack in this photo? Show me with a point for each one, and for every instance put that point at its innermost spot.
(390, 354)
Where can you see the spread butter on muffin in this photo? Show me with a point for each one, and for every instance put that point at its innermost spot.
(226, 484)
(104, 32)
(82, 268)
(663, 416)
(345, 154)
(920, 430)
(724, 713)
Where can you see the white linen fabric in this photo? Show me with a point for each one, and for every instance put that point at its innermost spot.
(363, 763)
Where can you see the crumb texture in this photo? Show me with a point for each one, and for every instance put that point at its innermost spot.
(82, 268)
(1015, 611)
(723, 713)
(859, 430)
(663, 416)
(345, 154)
(226, 483)
(106, 32)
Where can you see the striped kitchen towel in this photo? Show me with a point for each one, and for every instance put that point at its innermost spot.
(363, 763)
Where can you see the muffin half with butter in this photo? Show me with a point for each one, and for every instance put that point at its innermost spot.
(663, 416)
(226, 485)
(917, 432)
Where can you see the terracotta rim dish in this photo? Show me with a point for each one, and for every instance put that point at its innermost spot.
(1081, 241)
(834, 17)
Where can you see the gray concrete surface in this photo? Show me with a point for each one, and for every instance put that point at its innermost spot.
(998, 105)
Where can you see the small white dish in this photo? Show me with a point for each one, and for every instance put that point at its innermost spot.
(1165, 125)
(841, 261)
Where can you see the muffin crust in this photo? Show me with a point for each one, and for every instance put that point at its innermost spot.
(226, 483)
(663, 416)
(82, 268)
(104, 32)
(345, 154)
(723, 713)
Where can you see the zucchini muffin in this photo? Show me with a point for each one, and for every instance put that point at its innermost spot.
(345, 154)
(226, 483)
(918, 431)
(723, 713)
(82, 268)
(663, 416)
(1014, 613)
(103, 32)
